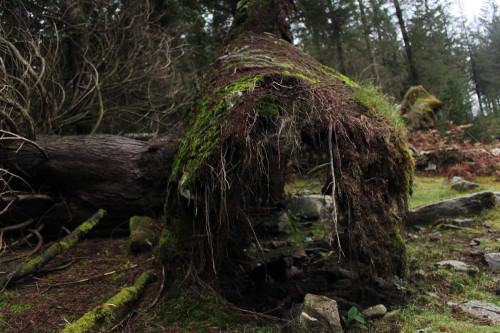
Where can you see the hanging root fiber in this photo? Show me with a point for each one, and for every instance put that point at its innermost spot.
(263, 105)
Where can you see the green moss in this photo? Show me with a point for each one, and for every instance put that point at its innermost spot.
(267, 106)
(142, 236)
(102, 317)
(397, 251)
(167, 248)
(203, 135)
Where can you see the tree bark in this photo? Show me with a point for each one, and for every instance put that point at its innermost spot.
(409, 54)
(126, 177)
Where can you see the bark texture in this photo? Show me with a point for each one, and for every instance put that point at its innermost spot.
(126, 177)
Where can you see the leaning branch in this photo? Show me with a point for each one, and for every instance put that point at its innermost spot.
(67, 242)
(102, 317)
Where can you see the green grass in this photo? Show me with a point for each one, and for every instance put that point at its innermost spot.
(431, 189)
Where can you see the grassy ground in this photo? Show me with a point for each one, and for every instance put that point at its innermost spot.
(43, 303)
(435, 291)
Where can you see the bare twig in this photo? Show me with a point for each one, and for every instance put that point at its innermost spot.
(334, 185)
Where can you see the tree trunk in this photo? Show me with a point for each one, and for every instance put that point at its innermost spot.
(409, 54)
(124, 176)
(366, 35)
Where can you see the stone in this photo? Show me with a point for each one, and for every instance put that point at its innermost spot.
(477, 253)
(495, 151)
(475, 242)
(142, 236)
(459, 266)
(464, 223)
(464, 186)
(497, 194)
(311, 207)
(434, 237)
(493, 260)
(457, 179)
(467, 205)
(374, 311)
(420, 229)
(320, 314)
(276, 222)
(482, 310)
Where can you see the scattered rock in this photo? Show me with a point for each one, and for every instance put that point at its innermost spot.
(493, 260)
(142, 237)
(497, 194)
(495, 151)
(482, 310)
(467, 205)
(412, 237)
(299, 253)
(320, 314)
(374, 311)
(459, 266)
(311, 207)
(488, 226)
(412, 263)
(453, 227)
(420, 229)
(476, 242)
(464, 223)
(276, 222)
(477, 253)
(434, 237)
(464, 186)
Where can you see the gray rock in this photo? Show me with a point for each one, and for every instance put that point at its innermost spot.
(477, 253)
(464, 223)
(374, 311)
(495, 151)
(464, 186)
(497, 194)
(320, 314)
(482, 310)
(434, 237)
(459, 266)
(467, 205)
(476, 242)
(493, 260)
(276, 222)
(313, 206)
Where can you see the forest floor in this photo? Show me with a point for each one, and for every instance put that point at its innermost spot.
(97, 268)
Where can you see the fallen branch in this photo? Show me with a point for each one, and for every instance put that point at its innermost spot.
(67, 242)
(102, 317)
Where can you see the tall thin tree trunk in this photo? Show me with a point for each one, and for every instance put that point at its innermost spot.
(366, 34)
(414, 80)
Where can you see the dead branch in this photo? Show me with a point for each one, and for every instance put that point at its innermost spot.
(102, 317)
(67, 242)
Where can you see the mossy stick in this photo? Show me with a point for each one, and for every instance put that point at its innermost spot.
(67, 242)
(102, 317)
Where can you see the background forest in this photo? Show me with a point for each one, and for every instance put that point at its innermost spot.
(121, 66)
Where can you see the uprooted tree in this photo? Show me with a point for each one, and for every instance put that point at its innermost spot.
(261, 107)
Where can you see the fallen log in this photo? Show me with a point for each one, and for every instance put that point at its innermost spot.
(67, 242)
(468, 205)
(125, 177)
(101, 318)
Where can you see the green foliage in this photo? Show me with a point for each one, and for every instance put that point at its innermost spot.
(354, 321)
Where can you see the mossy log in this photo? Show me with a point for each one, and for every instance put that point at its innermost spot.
(125, 177)
(262, 105)
(103, 317)
(34, 265)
